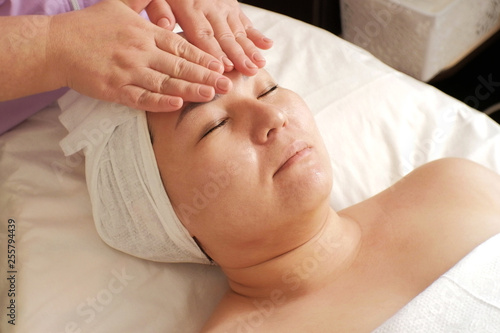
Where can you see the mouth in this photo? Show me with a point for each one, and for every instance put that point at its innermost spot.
(293, 153)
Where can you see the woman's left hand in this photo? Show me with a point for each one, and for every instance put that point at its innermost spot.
(218, 27)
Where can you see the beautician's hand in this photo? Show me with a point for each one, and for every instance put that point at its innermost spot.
(218, 27)
(107, 51)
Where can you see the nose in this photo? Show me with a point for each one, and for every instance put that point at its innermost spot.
(268, 120)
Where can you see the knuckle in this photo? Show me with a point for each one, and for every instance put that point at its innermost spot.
(204, 33)
(129, 97)
(238, 35)
(165, 83)
(180, 47)
(252, 32)
(208, 77)
(181, 67)
(226, 36)
(149, 80)
(144, 99)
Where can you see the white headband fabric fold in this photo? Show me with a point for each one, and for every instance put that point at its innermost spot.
(131, 209)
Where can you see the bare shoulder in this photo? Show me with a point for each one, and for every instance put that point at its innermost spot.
(446, 208)
(457, 180)
(459, 167)
(446, 186)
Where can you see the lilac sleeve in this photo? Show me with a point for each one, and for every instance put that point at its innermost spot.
(15, 111)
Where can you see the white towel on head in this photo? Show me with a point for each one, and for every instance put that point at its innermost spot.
(131, 209)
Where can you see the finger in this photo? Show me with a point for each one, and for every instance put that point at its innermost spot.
(160, 13)
(233, 41)
(180, 68)
(157, 82)
(142, 99)
(241, 37)
(176, 45)
(259, 39)
(199, 32)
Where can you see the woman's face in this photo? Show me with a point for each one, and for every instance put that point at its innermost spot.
(246, 171)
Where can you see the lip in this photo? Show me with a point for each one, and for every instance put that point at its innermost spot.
(293, 153)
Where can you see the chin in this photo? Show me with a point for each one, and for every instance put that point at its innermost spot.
(307, 187)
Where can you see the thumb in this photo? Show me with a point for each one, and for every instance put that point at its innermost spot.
(160, 13)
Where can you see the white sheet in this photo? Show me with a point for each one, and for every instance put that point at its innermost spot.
(465, 299)
(378, 125)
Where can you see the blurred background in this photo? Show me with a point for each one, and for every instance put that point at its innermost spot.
(474, 79)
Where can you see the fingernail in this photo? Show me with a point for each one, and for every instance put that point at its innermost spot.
(268, 40)
(176, 102)
(227, 62)
(216, 66)
(258, 57)
(250, 64)
(164, 22)
(206, 91)
(223, 83)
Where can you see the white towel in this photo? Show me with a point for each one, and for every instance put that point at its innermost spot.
(464, 299)
(131, 209)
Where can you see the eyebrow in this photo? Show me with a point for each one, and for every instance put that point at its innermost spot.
(193, 105)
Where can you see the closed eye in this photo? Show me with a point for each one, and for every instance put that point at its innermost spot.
(218, 125)
(270, 90)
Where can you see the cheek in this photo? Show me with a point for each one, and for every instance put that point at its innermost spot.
(313, 181)
(212, 188)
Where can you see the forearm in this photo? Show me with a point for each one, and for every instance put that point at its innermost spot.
(24, 65)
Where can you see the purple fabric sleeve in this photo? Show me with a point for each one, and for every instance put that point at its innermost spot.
(15, 111)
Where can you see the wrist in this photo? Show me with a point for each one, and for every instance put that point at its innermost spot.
(54, 60)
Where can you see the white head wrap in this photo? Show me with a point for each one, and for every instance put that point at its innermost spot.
(131, 209)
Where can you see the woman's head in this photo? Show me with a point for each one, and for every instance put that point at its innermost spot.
(245, 171)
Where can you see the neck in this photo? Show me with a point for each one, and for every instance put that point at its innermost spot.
(328, 255)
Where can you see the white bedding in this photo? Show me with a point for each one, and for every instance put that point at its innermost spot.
(378, 124)
(465, 299)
